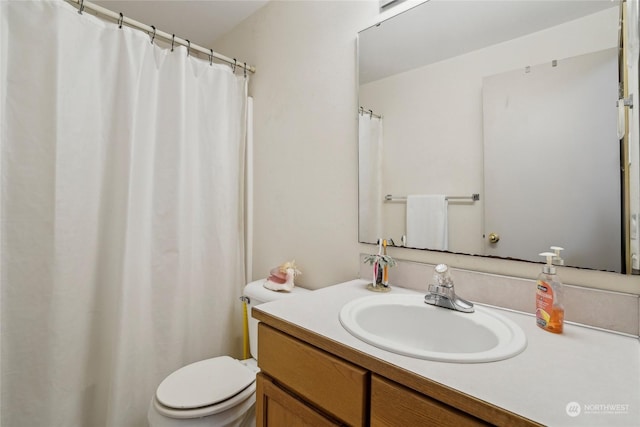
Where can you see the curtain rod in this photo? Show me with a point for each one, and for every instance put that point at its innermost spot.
(83, 4)
(362, 111)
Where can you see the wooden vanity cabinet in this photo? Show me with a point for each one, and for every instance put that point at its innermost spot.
(324, 383)
(395, 405)
(303, 385)
(277, 407)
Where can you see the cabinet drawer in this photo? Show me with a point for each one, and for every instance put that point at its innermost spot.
(330, 383)
(277, 408)
(395, 405)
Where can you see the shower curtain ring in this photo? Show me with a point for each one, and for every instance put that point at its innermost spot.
(153, 37)
(81, 7)
(188, 48)
(173, 39)
(362, 111)
(233, 67)
(371, 114)
(211, 58)
(120, 20)
(245, 70)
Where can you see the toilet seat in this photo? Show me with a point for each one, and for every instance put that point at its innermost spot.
(205, 388)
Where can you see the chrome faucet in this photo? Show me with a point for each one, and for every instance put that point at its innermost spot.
(442, 293)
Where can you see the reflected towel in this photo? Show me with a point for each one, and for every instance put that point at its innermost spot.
(427, 222)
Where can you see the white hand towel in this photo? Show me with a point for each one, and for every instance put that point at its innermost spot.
(427, 222)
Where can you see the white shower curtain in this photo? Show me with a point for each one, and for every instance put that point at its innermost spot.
(122, 206)
(370, 178)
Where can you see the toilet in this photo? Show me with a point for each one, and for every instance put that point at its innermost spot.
(220, 391)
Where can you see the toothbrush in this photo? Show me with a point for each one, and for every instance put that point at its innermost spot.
(375, 273)
(385, 269)
(376, 266)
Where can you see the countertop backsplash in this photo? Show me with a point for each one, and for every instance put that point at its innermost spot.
(613, 311)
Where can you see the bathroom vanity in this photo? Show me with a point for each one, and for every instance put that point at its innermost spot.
(315, 373)
(302, 384)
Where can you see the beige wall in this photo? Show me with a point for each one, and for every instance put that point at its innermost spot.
(305, 125)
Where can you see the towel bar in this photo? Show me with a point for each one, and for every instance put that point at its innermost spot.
(474, 197)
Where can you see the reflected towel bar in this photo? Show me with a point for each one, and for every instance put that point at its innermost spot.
(474, 197)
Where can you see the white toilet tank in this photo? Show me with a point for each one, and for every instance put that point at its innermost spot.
(258, 294)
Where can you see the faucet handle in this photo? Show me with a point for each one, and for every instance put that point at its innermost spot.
(434, 289)
(441, 276)
(442, 294)
(442, 290)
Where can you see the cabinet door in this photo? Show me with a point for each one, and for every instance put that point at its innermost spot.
(333, 385)
(395, 405)
(277, 408)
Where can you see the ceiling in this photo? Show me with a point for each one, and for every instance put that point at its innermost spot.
(201, 21)
(424, 35)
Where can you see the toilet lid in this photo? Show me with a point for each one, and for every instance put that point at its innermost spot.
(204, 383)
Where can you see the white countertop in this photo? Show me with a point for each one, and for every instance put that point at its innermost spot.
(596, 369)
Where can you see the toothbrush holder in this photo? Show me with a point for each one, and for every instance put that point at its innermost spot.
(381, 264)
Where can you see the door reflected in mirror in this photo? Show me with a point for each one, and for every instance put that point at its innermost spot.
(515, 101)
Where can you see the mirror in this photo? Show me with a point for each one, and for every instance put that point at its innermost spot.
(479, 131)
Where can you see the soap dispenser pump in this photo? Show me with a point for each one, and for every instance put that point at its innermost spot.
(549, 295)
(557, 259)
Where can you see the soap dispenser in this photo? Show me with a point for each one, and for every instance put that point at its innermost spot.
(549, 294)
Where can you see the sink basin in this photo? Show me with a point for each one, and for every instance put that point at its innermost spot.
(404, 324)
